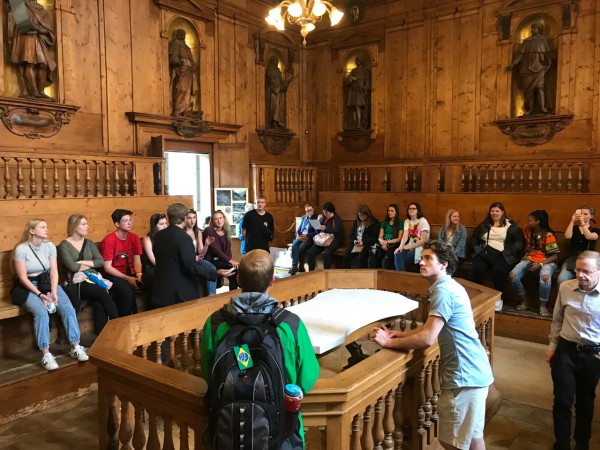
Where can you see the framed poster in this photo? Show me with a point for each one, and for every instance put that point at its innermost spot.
(232, 201)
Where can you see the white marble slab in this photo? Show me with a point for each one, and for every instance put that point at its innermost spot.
(332, 315)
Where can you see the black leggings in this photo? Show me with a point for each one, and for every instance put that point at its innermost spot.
(124, 296)
(103, 304)
(220, 264)
(490, 258)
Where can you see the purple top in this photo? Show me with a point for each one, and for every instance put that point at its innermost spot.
(220, 249)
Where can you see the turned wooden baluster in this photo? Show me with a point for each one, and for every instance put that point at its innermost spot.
(408, 407)
(521, 177)
(570, 177)
(512, 177)
(540, 176)
(559, 178)
(277, 186)
(486, 184)
(406, 180)
(402, 322)
(435, 380)
(168, 434)
(378, 433)
(144, 349)
(125, 179)
(462, 180)
(366, 439)
(20, 186)
(171, 358)
(428, 390)
(139, 435)
(32, 182)
(7, 185)
(579, 177)
(530, 178)
(55, 178)
(99, 192)
(388, 421)
(196, 353)
(187, 363)
(88, 179)
(78, 192)
(421, 432)
(261, 180)
(67, 179)
(483, 339)
(116, 178)
(184, 440)
(398, 415)
(107, 179)
(478, 178)
(549, 182)
(355, 433)
(153, 441)
(159, 358)
(388, 179)
(126, 428)
(488, 336)
(112, 422)
(45, 187)
(495, 179)
(504, 177)
(133, 180)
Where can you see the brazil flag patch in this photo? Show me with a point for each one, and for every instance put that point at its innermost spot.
(243, 357)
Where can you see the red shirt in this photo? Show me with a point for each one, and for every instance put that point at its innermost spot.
(121, 252)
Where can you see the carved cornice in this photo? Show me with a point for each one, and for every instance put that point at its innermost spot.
(533, 130)
(275, 140)
(184, 126)
(190, 8)
(356, 141)
(34, 119)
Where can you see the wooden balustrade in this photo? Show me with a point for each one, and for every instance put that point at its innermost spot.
(289, 185)
(58, 177)
(388, 401)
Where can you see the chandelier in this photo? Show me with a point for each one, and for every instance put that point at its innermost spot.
(304, 13)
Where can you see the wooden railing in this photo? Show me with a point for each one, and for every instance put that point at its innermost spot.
(387, 401)
(289, 185)
(54, 176)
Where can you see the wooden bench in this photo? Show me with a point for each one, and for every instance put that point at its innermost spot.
(16, 332)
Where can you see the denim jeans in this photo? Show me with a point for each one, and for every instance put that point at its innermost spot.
(401, 259)
(521, 269)
(298, 249)
(41, 318)
(565, 274)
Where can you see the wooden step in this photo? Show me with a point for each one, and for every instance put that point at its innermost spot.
(26, 387)
(523, 325)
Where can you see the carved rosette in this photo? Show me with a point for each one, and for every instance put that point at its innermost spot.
(355, 141)
(189, 128)
(533, 130)
(275, 140)
(34, 119)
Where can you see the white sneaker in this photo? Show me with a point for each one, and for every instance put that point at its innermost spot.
(499, 305)
(79, 353)
(48, 362)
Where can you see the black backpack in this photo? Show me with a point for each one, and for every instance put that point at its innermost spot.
(246, 407)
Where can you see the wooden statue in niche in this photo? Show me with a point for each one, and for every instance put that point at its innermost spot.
(533, 61)
(357, 92)
(183, 73)
(275, 89)
(31, 41)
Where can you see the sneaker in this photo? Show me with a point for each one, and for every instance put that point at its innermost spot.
(499, 305)
(79, 353)
(48, 362)
(544, 311)
(293, 270)
(522, 306)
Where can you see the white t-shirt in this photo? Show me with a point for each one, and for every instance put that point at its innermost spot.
(497, 236)
(44, 252)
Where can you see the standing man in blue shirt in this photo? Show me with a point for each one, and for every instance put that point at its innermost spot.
(303, 240)
(466, 371)
(574, 352)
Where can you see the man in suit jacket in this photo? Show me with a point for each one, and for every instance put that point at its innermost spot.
(176, 265)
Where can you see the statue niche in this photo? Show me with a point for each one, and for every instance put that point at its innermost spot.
(183, 70)
(275, 91)
(31, 41)
(357, 96)
(534, 74)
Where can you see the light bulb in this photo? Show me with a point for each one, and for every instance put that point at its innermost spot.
(309, 26)
(295, 9)
(275, 13)
(319, 8)
(335, 16)
(280, 24)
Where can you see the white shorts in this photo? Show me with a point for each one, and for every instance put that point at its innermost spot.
(462, 415)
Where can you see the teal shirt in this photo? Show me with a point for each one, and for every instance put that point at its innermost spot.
(388, 229)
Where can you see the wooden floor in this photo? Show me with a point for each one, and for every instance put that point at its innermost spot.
(524, 421)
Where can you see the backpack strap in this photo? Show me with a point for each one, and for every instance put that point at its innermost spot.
(38, 258)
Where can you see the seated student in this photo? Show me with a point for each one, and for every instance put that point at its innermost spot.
(541, 255)
(390, 233)
(303, 240)
(455, 234)
(38, 291)
(79, 255)
(416, 233)
(219, 251)
(364, 234)
(177, 272)
(331, 223)
(158, 222)
(121, 252)
(256, 277)
(582, 236)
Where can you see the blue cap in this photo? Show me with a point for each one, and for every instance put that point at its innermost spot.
(293, 390)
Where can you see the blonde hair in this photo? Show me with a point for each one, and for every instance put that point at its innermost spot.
(73, 222)
(450, 227)
(225, 223)
(26, 237)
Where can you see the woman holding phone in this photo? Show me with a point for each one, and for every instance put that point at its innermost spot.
(582, 236)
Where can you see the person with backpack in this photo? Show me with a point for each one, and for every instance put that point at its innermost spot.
(250, 350)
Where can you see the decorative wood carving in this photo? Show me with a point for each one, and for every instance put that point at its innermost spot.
(189, 128)
(533, 130)
(275, 140)
(355, 140)
(34, 119)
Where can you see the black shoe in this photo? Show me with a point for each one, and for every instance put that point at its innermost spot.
(293, 270)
